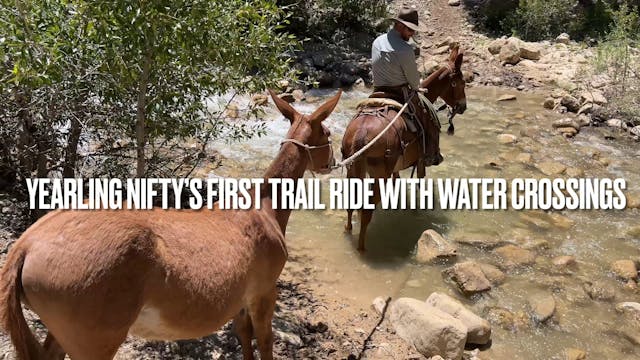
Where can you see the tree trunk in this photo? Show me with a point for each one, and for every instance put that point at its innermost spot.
(141, 130)
(71, 152)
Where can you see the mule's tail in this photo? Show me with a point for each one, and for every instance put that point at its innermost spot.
(11, 317)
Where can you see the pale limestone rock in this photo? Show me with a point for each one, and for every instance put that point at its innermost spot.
(431, 332)
(478, 329)
(432, 246)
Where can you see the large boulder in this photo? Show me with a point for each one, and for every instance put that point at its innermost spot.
(432, 246)
(531, 51)
(510, 52)
(431, 331)
(478, 329)
(495, 46)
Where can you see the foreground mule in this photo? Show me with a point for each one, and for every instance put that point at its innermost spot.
(398, 148)
(95, 276)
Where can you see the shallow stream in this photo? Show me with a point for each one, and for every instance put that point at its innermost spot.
(596, 238)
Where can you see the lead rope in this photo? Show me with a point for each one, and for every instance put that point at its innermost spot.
(308, 148)
(350, 159)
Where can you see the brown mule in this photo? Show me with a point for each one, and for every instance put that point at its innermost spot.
(386, 157)
(95, 276)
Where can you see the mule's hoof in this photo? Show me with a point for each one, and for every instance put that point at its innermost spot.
(348, 228)
(361, 249)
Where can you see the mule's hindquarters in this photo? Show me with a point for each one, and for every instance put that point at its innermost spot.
(378, 161)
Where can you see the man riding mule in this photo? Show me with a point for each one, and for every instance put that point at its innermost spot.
(379, 142)
(395, 75)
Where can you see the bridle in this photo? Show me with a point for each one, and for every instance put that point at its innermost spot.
(308, 148)
(451, 71)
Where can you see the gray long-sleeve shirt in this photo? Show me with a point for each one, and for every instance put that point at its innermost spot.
(393, 61)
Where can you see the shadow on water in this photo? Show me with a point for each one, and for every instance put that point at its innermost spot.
(393, 234)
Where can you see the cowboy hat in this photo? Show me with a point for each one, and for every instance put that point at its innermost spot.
(409, 18)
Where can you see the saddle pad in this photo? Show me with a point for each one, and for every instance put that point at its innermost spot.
(379, 102)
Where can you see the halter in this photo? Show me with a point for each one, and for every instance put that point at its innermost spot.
(308, 148)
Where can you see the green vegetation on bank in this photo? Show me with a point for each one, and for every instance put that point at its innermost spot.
(118, 88)
(545, 19)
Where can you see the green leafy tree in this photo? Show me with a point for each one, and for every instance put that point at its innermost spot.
(117, 81)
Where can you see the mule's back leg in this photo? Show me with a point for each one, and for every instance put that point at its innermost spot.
(377, 169)
(261, 312)
(356, 170)
(244, 330)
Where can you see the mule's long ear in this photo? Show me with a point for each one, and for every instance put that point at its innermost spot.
(455, 48)
(325, 109)
(458, 62)
(287, 110)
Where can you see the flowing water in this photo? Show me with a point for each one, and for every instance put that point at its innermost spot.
(595, 237)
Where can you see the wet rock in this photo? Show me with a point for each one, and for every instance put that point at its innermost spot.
(513, 256)
(567, 131)
(507, 138)
(571, 103)
(454, 2)
(430, 331)
(494, 275)
(550, 168)
(625, 269)
(635, 131)
(524, 158)
(542, 307)
(576, 295)
(469, 277)
(633, 201)
(628, 307)
(599, 290)
(574, 354)
(500, 317)
(478, 329)
(549, 103)
(432, 246)
(563, 38)
(566, 122)
(634, 232)
(536, 221)
(561, 221)
(480, 241)
(507, 97)
(564, 261)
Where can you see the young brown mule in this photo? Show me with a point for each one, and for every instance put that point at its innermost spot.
(398, 148)
(95, 276)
